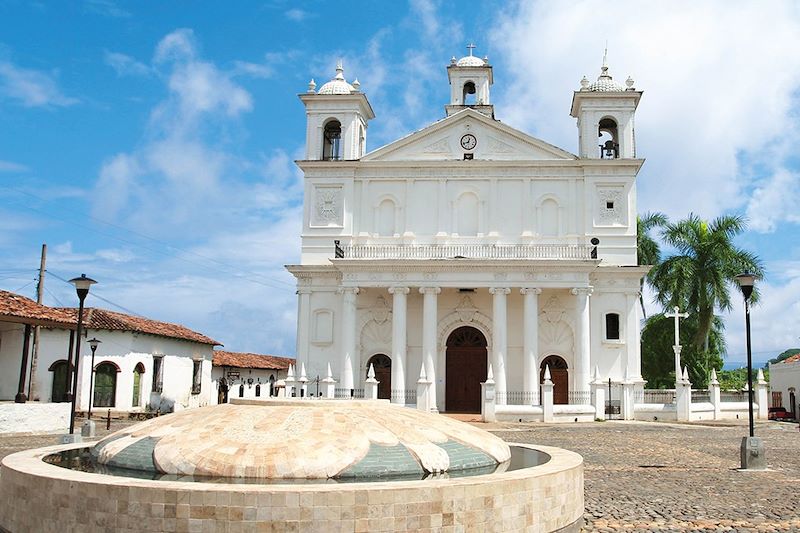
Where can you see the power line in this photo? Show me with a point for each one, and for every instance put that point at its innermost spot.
(48, 291)
(31, 281)
(94, 294)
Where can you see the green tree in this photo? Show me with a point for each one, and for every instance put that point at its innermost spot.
(699, 276)
(783, 355)
(658, 358)
(648, 251)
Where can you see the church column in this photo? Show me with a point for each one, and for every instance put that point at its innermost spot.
(530, 342)
(399, 342)
(348, 348)
(634, 358)
(582, 338)
(429, 323)
(303, 306)
(500, 340)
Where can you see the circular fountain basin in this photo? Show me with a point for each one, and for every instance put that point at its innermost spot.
(38, 496)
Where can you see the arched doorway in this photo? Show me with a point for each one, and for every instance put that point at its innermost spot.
(383, 373)
(137, 385)
(58, 392)
(559, 375)
(105, 385)
(465, 369)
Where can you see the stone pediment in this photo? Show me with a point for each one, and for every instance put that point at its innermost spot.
(442, 141)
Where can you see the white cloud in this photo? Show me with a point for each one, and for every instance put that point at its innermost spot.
(712, 97)
(10, 166)
(297, 15)
(125, 65)
(775, 199)
(32, 88)
(106, 8)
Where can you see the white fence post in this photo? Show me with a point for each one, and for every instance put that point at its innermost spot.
(761, 396)
(547, 396)
(598, 396)
(423, 388)
(371, 385)
(488, 413)
(683, 397)
(714, 396)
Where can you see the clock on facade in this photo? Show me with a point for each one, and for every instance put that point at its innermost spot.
(468, 141)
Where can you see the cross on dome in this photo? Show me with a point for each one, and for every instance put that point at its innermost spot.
(471, 47)
(470, 60)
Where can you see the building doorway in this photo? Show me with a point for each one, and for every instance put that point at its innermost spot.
(105, 385)
(58, 392)
(465, 369)
(383, 373)
(559, 375)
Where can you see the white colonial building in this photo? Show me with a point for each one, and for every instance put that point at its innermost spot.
(469, 244)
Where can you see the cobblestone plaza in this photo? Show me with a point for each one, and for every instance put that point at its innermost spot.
(655, 476)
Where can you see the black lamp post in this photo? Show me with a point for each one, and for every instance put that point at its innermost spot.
(752, 450)
(93, 343)
(82, 285)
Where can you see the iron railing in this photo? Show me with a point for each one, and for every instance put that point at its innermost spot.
(406, 396)
(575, 397)
(733, 396)
(654, 396)
(463, 251)
(348, 393)
(700, 396)
(518, 398)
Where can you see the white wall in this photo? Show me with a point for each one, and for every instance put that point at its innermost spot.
(782, 377)
(258, 375)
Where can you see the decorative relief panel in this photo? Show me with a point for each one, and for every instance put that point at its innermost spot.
(441, 146)
(499, 147)
(327, 207)
(322, 327)
(610, 209)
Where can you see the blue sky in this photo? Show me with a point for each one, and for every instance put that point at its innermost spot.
(151, 145)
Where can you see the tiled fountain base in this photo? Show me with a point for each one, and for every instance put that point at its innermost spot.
(36, 496)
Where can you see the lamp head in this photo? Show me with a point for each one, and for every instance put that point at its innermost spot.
(93, 343)
(82, 285)
(746, 282)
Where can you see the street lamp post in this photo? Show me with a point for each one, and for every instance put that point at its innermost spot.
(82, 285)
(93, 343)
(752, 449)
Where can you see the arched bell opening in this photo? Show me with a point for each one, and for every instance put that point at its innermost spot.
(468, 93)
(608, 133)
(559, 375)
(383, 374)
(332, 141)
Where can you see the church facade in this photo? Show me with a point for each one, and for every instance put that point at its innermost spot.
(468, 246)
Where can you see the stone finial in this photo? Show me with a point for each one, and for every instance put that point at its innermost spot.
(453, 60)
(312, 86)
(760, 377)
(303, 376)
(290, 372)
(629, 83)
(422, 376)
(371, 371)
(584, 83)
(686, 374)
(330, 374)
(547, 374)
(714, 380)
(356, 84)
(490, 373)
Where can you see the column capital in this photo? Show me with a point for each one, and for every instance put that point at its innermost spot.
(348, 290)
(430, 290)
(583, 291)
(399, 290)
(499, 290)
(530, 290)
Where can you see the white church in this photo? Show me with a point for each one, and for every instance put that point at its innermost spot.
(470, 245)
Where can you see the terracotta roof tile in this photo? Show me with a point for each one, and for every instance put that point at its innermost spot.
(24, 310)
(251, 360)
(792, 358)
(95, 318)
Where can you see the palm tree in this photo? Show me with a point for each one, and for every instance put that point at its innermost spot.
(699, 276)
(647, 249)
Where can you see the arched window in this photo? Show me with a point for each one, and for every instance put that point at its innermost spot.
(332, 141)
(468, 95)
(241, 390)
(549, 220)
(612, 327)
(258, 390)
(58, 392)
(607, 132)
(386, 218)
(468, 219)
(272, 384)
(105, 385)
(137, 384)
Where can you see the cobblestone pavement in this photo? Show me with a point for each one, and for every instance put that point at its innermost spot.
(670, 477)
(651, 476)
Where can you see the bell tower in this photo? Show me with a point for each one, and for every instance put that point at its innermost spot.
(605, 111)
(336, 119)
(470, 79)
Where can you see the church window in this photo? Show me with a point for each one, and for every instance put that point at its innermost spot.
(609, 139)
(332, 141)
(468, 218)
(612, 327)
(468, 95)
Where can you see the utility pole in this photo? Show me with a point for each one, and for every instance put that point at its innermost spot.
(32, 392)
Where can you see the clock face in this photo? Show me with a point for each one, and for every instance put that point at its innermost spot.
(468, 141)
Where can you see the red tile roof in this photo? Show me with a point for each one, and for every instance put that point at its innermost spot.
(16, 308)
(251, 360)
(792, 358)
(95, 318)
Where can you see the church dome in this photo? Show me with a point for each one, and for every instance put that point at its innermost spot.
(302, 439)
(338, 85)
(605, 83)
(470, 61)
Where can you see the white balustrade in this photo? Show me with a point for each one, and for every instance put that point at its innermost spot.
(466, 251)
